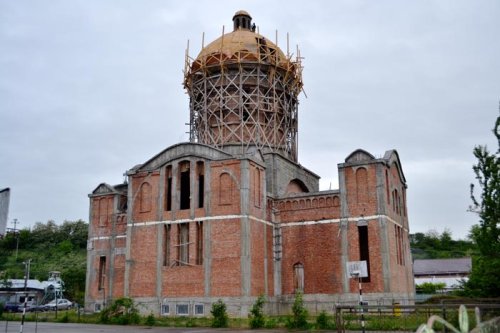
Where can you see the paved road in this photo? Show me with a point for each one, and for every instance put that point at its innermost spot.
(31, 327)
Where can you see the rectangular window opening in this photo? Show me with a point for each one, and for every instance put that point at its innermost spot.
(182, 309)
(168, 197)
(199, 243)
(185, 189)
(199, 309)
(165, 309)
(364, 253)
(200, 170)
(201, 190)
(101, 273)
(166, 244)
(183, 246)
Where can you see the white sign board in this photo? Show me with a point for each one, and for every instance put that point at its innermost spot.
(357, 269)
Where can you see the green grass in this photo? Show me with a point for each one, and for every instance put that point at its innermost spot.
(373, 322)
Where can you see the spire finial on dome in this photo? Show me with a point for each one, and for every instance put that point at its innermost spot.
(242, 20)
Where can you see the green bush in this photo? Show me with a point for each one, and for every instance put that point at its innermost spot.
(299, 314)
(1, 309)
(271, 323)
(64, 319)
(430, 288)
(122, 312)
(323, 321)
(257, 319)
(220, 318)
(150, 320)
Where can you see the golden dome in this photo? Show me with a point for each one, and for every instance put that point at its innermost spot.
(241, 46)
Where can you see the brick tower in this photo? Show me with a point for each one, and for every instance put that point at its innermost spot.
(232, 215)
(243, 93)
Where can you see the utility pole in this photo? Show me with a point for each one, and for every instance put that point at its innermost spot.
(27, 265)
(357, 275)
(15, 222)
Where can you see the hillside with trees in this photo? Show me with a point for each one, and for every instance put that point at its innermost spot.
(435, 245)
(50, 247)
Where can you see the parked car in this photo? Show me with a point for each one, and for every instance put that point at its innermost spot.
(62, 304)
(11, 307)
(36, 308)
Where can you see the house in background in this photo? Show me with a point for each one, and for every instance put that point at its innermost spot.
(13, 290)
(448, 271)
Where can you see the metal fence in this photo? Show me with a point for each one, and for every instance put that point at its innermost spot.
(408, 317)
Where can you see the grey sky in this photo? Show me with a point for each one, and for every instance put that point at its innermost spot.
(90, 88)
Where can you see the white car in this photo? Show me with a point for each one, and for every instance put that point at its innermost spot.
(62, 304)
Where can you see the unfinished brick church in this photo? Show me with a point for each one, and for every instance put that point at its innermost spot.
(232, 214)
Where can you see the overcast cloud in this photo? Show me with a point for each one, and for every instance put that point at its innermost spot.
(90, 88)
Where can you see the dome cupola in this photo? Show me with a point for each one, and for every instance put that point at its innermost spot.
(243, 93)
(242, 20)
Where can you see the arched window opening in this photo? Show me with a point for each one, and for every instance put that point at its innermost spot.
(387, 189)
(404, 202)
(226, 189)
(257, 187)
(396, 201)
(145, 197)
(185, 186)
(168, 189)
(361, 185)
(103, 211)
(200, 171)
(296, 186)
(298, 277)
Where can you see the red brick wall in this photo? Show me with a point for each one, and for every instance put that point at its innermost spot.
(361, 196)
(183, 280)
(119, 276)
(102, 213)
(225, 200)
(143, 252)
(226, 251)
(309, 208)
(257, 256)
(145, 204)
(317, 247)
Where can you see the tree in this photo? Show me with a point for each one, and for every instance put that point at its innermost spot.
(483, 280)
(257, 319)
(299, 314)
(219, 313)
(433, 245)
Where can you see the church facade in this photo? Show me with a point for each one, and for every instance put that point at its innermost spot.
(232, 215)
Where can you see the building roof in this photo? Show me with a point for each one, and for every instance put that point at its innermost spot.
(31, 284)
(441, 266)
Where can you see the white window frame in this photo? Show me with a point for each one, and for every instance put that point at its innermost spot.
(163, 307)
(97, 307)
(196, 306)
(177, 309)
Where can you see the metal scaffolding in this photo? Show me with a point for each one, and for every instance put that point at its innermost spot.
(244, 92)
